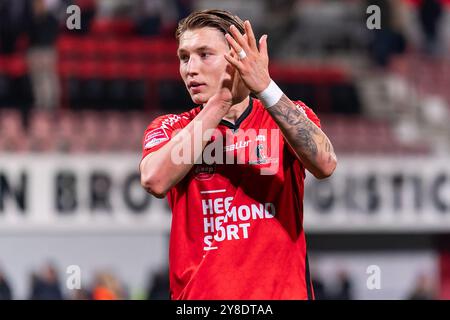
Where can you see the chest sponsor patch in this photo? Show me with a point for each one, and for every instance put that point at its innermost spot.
(155, 137)
(204, 172)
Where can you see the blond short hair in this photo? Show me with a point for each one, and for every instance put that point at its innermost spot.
(217, 19)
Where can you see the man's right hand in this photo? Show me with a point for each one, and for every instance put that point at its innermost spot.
(159, 173)
(232, 90)
(224, 95)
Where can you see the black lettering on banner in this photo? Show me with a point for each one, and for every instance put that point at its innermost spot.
(350, 194)
(402, 183)
(100, 187)
(18, 193)
(418, 192)
(363, 193)
(373, 196)
(397, 187)
(438, 201)
(66, 192)
(324, 197)
(133, 186)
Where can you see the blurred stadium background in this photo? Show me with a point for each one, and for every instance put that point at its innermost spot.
(74, 105)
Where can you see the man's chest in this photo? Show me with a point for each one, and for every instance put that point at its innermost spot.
(236, 155)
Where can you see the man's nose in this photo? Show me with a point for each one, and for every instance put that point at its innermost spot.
(192, 66)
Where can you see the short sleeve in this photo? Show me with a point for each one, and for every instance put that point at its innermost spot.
(159, 132)
(308, 111)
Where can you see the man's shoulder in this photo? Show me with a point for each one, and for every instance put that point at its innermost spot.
(303, 107)
(173, 119)
(307, 111)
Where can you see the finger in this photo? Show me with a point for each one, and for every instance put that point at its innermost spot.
(263, 46)
(228, 83)
(250, 35)
(236, 47)
(233, 61)
(239, 38)
(246, 40)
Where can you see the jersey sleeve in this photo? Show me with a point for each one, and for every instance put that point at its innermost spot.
(311, 116)
(159, 132)
(309, 112)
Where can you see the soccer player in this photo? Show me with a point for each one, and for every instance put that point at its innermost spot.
(233, 169)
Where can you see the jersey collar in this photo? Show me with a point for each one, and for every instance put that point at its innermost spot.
(242, 117)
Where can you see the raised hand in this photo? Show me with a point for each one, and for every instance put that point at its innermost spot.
(251, 63)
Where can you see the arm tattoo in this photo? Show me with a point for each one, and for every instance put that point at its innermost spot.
(297, 128)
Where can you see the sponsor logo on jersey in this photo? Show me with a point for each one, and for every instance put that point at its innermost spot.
(237, 146)
(261, 157)
(155, 137)
(170, 120)
(243, 144)
(204, 172)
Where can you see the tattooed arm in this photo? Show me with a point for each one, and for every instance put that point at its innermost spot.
(311, 145)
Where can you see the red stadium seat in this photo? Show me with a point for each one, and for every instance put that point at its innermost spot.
(160, 49)
(68, 46)
(68, 68)
(89, 69)
(68, 128)
(112, 27)
(89, 47)
(110, 69)
(12, 133)
(113, 139)
(92, 131)
(42, 132)
(134, 70)
(111, 49)
(136, 125)
(152, 50)
(164, 71)
(134, 49)
(15, 66)
(169, 51)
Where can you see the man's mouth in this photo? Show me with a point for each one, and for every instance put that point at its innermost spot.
(195, 87)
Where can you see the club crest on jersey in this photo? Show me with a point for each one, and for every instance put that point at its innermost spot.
(260, 155)
(155, 137)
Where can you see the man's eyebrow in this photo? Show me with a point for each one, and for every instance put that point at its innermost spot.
(202, 48)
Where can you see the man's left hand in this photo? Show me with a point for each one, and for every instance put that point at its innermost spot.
(251, 63)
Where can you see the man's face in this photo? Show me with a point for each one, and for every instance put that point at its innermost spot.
(202, 63)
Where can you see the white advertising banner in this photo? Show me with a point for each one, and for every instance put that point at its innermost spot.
(102, 193)
(382, 194)
(77, 193)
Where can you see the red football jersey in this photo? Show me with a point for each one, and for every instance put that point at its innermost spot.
(237, 224)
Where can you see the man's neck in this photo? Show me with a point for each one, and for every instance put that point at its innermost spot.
(236, 110)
